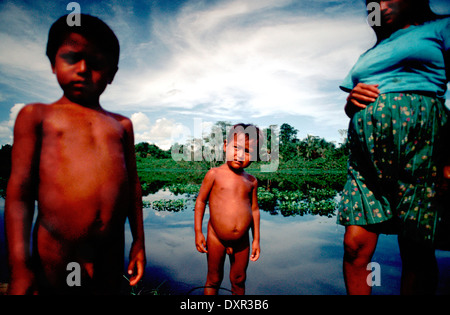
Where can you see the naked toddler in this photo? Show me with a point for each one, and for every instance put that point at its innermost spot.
(234, 210)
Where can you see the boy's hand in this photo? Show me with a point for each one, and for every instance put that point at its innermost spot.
(447, 172)
(200, 243)
(444, 183)
(23, 284)
(137, 263)
(256, 250)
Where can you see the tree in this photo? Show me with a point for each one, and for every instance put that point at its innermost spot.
(288, 142)
(145, 149)
(288, 134)
(5, 167)
(5, 160)
(313, 147)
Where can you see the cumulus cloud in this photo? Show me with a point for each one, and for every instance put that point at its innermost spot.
(223, 60)
(233, 60)
(163, 132)
(6, 127)
(25, 68)
(246, 59)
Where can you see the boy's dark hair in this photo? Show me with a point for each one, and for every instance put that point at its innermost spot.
(251, 132)
(91, 28)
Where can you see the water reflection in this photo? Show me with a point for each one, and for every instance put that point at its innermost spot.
(287, 203)
(301, 254)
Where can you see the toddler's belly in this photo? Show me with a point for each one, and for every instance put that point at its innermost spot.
(231, 227)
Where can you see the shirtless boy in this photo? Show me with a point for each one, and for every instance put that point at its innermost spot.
(77, 160)
(233, 207)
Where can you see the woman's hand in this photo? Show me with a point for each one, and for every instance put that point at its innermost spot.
(361, 95)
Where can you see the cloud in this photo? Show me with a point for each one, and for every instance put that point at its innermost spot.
(262, 61)
(223, 60)
(163, 132)
(6, 127)
(23, 64)
(140, 122)
(235, 60)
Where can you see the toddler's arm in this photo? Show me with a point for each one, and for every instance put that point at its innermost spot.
(256, 249)
(200, 205)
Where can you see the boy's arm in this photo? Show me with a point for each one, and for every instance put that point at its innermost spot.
(21, 194)
(135, 216)
(256, 249)
(200, 205)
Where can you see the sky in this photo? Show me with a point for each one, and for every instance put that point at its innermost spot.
(186, 64)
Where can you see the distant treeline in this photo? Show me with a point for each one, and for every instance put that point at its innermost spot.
(306, 163)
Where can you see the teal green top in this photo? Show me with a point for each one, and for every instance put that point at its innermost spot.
(411, 59)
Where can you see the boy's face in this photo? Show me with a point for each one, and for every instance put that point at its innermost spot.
(241, 151)
(82, 70)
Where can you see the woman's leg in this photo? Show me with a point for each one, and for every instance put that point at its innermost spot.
(420, 272)
(359, 246)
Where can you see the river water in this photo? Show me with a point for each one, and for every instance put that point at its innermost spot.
(300, 255)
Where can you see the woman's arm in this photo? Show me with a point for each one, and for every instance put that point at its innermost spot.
(361, 95)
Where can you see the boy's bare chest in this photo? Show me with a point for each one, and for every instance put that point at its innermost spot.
(81, 128)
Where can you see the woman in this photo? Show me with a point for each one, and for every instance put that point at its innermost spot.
(397, 111)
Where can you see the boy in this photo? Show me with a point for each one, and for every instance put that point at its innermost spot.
(233, 207)
(77, 160)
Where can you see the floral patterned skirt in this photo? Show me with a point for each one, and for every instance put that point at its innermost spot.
(394, 165)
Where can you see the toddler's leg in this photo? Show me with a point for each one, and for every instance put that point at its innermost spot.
(216, 258)
(238, 267)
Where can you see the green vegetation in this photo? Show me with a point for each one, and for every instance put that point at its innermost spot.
(303, 164)
(5, 168)
(310, 173)
(174, 205)
(287, 203)
(138, 289)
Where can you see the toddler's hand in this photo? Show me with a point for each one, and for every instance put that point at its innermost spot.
(200, 243)
(256, 250)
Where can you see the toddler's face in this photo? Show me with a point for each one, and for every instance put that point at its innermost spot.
(241, 151)
(82, 71)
